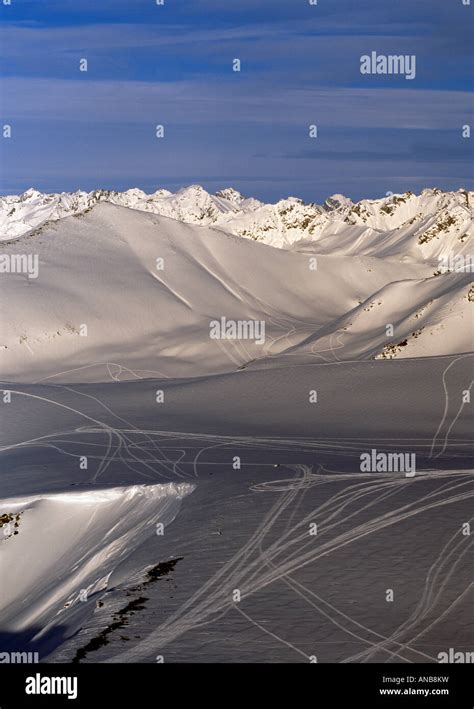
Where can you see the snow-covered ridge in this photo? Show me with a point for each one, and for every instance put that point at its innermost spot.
(193, 205)
(147, 289)
(93, 529)
(425, 217)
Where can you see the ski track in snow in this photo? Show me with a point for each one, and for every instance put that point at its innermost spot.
(254, 568)
(262, 562)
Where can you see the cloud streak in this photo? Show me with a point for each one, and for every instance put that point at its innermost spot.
(213, 102)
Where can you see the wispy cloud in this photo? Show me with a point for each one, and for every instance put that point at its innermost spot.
(221, 102)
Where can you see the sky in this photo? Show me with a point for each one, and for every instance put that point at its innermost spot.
(172, 65)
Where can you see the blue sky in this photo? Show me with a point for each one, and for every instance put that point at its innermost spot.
(172, 65)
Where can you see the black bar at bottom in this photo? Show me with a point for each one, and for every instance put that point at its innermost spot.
(368, 685)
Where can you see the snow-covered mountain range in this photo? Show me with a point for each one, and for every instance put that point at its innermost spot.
(378, 279)
(426, 225)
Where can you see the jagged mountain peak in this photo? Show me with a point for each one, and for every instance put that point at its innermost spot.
(231, 194)
(426, 225)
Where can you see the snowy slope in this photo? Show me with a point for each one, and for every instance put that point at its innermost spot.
(123, 294)
(406, 318)
(94, 530)
(61, 548)
(241, 528)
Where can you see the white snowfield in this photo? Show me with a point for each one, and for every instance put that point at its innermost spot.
(67, 545)
(117, 402)
(121, 293)
(241, 528)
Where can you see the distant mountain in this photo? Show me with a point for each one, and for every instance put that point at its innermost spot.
(126, 294)
(428, 226)
(21, 213)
